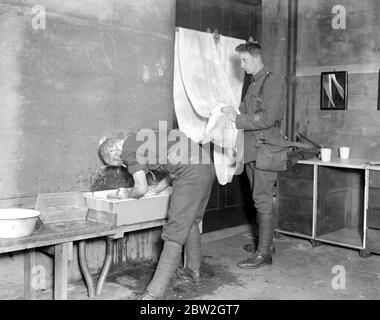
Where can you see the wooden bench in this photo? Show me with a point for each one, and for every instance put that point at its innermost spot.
(61, 235)
(57, 240)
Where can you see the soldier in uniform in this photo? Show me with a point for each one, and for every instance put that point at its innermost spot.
(192, 175)
(261, 113)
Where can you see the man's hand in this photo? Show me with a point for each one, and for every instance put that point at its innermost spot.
(123, 193)
(141, 185)
(113, 195)
(151, 191)
(230, 113)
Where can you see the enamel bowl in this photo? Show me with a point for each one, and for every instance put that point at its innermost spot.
(17, 222)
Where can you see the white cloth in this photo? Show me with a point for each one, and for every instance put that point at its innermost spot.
(189, 121)
(202, 74)
(220, 130)
(207, 76)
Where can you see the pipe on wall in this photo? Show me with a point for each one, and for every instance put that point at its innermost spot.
(291, 68)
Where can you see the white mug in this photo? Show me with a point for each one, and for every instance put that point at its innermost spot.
(344, 153)
(326, 154)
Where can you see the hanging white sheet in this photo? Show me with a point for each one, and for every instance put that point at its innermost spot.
(189, 121)
(207, 76)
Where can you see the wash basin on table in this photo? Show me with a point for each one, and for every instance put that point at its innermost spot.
(127, 211)
(18, 222)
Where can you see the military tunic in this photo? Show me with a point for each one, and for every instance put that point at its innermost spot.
(261, 123)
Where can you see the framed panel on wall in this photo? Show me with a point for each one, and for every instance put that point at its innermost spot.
(334, 90)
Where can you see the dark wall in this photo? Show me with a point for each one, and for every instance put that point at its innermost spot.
(355, 49)
(320, 48)
(99, 68)
(274, 34)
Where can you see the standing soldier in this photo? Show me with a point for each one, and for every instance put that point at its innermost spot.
(261, 111)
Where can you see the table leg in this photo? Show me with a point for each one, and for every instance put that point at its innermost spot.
(71, 251)
(29, 263)
(364, 253)
(106, 267)
(84, 268)
(61, 270)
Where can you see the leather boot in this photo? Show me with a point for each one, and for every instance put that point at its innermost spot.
(263, 255)
(251, 248)
(188, 275)
(146, 296)
(257, 260)
(266, 231)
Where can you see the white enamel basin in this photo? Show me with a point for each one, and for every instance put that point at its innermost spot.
(17, 222)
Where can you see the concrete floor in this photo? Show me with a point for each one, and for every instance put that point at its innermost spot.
(299, 272)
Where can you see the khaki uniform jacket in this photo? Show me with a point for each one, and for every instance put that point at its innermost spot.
(262, 124)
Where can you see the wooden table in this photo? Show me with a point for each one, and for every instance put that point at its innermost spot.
(61, 236)
(57, 239)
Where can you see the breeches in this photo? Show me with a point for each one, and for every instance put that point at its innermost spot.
(262, 187)
(191, 190)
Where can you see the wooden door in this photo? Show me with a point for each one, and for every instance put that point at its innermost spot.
(229, 205)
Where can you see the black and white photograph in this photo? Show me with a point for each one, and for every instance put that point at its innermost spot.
(198, 153)
(334, 90)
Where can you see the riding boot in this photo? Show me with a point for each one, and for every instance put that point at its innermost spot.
(263, 255)
(266, 230)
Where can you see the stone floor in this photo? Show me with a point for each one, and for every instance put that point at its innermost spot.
(299, 272)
